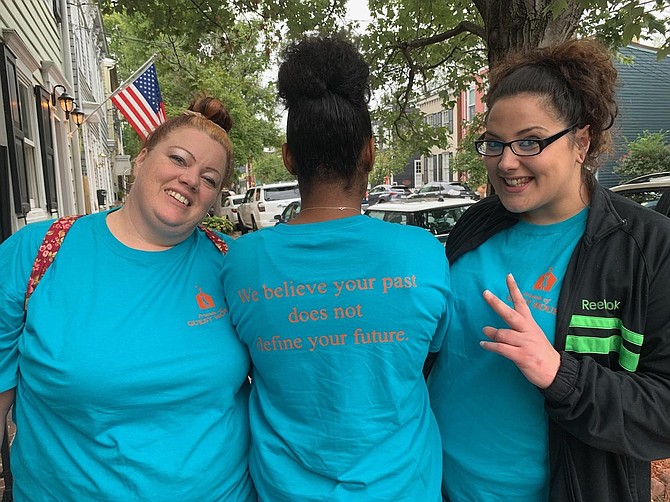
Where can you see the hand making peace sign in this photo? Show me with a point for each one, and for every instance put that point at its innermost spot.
(523, 342)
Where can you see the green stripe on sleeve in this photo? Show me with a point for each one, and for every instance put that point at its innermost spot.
(583, 321)
(604, 345)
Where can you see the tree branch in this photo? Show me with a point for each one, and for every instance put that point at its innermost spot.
(462, 27)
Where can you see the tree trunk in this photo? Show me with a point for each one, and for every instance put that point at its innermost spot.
(513, 25)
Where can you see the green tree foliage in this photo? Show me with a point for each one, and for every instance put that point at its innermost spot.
(269, 168)
(228, 67)
(415, 47)
(419, 48)
(648, 153)
(392, 152)
(279, 18)
(389, 162)
(467, 159)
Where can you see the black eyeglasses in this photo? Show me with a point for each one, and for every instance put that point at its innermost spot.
(520, 147)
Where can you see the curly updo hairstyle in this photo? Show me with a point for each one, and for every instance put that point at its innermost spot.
(206, 114)
(576, 79)
(324, 84)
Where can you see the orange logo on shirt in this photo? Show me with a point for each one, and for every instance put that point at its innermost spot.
(546, 281)
(204, 300)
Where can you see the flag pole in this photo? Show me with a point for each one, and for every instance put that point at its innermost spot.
(121, 86)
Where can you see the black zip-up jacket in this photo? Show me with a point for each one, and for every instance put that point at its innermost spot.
(609, 405)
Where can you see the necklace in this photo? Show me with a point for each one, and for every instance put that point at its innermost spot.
(339, 208)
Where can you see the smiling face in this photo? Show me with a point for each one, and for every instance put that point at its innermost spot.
(177, 182)
(546, 188)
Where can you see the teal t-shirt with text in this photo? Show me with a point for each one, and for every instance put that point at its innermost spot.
(339, 317)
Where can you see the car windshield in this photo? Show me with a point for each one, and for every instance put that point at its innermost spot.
(282, 193)
(647, 198)
(439, 221)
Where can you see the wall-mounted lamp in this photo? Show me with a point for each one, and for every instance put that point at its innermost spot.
(68, 104)
(65, 100)
(77, 115)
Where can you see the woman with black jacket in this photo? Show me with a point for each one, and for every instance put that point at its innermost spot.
(566, 281)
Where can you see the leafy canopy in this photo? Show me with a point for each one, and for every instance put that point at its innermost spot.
(186, 68)
(415, 47)
(269, 168)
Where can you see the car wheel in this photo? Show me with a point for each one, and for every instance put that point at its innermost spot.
(243, 228)
(381, 199)
(254, 227)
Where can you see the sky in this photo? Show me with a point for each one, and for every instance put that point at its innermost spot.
(357, 10)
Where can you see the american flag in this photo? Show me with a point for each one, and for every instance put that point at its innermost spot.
(141, 103)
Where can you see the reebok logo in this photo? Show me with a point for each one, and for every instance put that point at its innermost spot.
(603, 304)
(546, 281)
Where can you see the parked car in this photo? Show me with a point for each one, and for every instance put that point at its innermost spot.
(650, 190)
(445, 189)
(290, 212)
(262, 203)
(385, 193)
(437, 216)
(229, 208)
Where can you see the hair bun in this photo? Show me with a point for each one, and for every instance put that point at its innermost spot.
(214, 110)
(322, 67)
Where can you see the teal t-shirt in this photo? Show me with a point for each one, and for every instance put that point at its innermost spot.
(131, 383)
(492, 420)
(339, 317)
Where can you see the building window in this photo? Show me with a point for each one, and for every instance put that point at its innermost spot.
(28, 119)
(471, 104)
(417, 173)
(448, 120)
(55, 5)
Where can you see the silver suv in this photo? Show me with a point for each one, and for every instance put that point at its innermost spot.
(262, 203)
(445, 189)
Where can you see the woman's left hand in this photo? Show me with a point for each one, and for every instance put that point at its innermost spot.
(524, 343)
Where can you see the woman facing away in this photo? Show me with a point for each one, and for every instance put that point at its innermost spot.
(554, 380)
(130, 382)
(338, 310)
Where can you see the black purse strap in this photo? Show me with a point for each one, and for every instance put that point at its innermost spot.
(7, 494)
